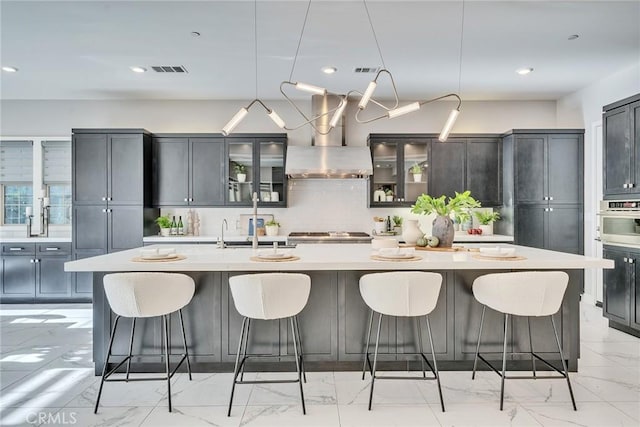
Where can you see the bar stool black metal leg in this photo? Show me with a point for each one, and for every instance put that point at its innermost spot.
(166, 358)
(246, 344)
(564, 364)
(304, 371)
(184, 342)
(375, 360)
(366, 349)
(236, 369)
(133, 328)
(504, 361)
(475, 360)
(421, 350)
(295, 351)
(533, 359)
(435, 364)
(106, 362)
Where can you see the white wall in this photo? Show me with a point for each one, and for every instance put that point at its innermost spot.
(583, 109)
(314, 205)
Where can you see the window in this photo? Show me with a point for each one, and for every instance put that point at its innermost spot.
(16, 180)
(56, 176)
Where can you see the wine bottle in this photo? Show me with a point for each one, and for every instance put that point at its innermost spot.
(174, 227)
(180, 226)
(389, 224)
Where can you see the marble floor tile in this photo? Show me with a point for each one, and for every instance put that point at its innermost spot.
(18, 334)
(318, 390)
(387, 415)
(478, 414)
(589, 357)
(192, 416)
(458, 387)
(209, 390)
(632, 409)
(8, 378)
(124, 416)
(620, 353)
(593, 414)
(137, 393)
(612, 384)
(61, 335)
(355, 391)
(290, 416)
(30, 357)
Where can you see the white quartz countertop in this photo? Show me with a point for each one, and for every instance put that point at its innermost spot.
(35, 239)
(330, 257)
(213, 239)
(479, 238)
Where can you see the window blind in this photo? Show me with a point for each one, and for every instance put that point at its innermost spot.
(56, 162)
(16, 161)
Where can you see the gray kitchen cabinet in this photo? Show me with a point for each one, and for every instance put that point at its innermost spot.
(90, 159)
(530, 169)
(621, 148)
(447, 168)
(109, 229)
(484, 170)
(621, 296)
(35, 273)
(554, 227)
(188, 171)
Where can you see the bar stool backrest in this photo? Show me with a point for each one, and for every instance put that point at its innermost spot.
(269, 296)
(148, 294)
(529, 293)
(401, 293)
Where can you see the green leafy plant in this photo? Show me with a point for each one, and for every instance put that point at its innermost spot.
(415, 169)
(272, 222)
(486, 218)
(239, 168)
(389, 192)
(164, 221)
(462, 216)
(397, 220)
(427, 204)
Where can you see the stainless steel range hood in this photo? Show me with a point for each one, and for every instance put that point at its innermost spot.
(328, 157)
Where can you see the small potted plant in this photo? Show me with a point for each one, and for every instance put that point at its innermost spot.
(164, 222)
(416, 170)
(389, 195)
(486, 219)
(378, 225)
(397, 224)
(241, 172)
(272, 227)
(461, 219)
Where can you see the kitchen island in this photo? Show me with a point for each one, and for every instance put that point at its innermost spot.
(334, 322)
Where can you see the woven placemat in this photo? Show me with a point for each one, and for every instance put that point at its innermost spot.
(258, 259)
(176, 258)
(500, 258)
(379, 258)
(439, 249)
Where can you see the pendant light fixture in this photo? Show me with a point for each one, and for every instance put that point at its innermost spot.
(315, 90)
(242, 113)
(395, 111)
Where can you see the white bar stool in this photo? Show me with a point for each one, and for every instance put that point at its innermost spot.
(141, 295)
(530, 294)
(401, 294)
(269, 296)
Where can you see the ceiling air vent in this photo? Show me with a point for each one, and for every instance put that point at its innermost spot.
(169, 69)
(366, 70)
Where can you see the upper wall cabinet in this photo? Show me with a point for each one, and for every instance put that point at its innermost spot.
(406, 166)
(204, 170)
(621, 148)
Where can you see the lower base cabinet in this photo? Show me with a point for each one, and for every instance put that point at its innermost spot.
(34, 272)
(621, 303)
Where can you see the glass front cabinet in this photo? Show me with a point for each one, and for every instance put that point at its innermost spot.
(400, 170)
(256, 164)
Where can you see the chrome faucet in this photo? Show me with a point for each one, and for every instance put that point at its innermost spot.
(224, 225)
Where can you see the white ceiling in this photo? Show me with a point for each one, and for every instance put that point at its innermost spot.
(83, 49)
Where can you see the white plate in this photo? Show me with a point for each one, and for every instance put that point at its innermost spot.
(498, 252)
(396, 256)
(159, 256)
(276, 256)
(511, 255)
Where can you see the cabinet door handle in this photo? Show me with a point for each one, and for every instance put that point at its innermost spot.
(108, 210)
(52, 249)
(36, 261)
(191, 199)
(546, 209)
(109, 199)
(32, 261)
(550, 198)
(550, 209)
(186, 200)
(546, 198)
(104, 210)
(104, 199)
(625, 259)
(631, 260)
(625, 185)
(16, 249)
(631, 185)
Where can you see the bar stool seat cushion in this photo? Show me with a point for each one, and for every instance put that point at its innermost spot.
(269, 296)
(148, 294)
(529, 293)
(401, 293)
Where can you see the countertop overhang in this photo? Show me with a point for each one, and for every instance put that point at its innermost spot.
(318, 257)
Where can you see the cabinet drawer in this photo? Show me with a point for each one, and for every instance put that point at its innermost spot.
(18, 249)
(63, 249)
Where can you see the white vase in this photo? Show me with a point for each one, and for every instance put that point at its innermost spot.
(411, 231)
(417, 177)
(389, 198)
(241, 177)
(272, 230)
(165, 232)
(487, 230)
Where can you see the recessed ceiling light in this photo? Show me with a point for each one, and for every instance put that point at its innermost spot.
(573, 37)
(195, 34)
(9, 69)
(137, 69)
(329, 70)
(524, 71)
